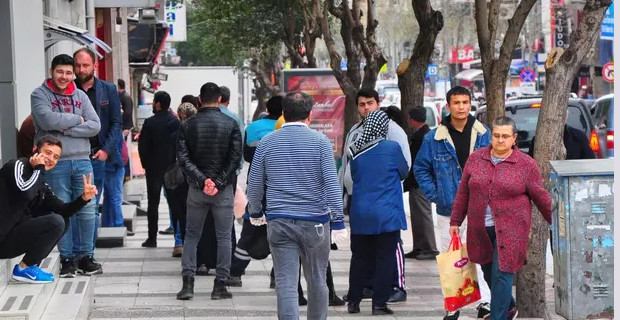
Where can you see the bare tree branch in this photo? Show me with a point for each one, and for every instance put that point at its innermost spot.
(482, 28)
(334, 56)
(492, 21)
(334, 10)
(515, 24)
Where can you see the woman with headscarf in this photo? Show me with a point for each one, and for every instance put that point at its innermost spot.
(377, 213)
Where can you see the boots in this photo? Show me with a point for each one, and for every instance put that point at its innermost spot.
(220, 291)
(187, 292)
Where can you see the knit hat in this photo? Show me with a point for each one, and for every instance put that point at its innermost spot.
(418, 114)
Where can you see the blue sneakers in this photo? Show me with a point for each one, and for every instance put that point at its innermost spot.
(32, 274)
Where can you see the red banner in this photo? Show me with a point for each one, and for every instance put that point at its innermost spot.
(461, 54)
(329, 103)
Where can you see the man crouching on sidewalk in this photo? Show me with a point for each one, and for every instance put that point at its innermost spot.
(32, 218)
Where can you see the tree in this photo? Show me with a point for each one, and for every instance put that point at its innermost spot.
(495, 67)
(411, 72)
(357, 45)
(561, 68)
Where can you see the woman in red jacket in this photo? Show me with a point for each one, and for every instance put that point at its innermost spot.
(498, 185)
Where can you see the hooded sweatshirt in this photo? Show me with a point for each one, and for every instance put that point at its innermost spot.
(60, 115)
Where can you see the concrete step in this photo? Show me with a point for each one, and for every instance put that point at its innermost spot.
(27, 301)
(111, 237)
(129, 213)
(72, 299)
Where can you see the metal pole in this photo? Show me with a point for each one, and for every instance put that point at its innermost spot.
(90, 17)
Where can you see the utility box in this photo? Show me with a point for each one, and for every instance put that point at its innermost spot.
(583, 238)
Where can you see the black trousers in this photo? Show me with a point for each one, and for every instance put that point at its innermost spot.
(177, 199)
(367, 251)
(154, 183)
(35, 237)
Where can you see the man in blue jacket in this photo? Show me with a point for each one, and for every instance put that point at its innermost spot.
(439, 165)
(108, 169)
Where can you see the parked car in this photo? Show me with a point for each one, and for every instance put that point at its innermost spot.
(604, 122)
(525, 113)
(383, 86)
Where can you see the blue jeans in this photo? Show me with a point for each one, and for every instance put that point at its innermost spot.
(290, 240)
(112, 215)
(500, 283)
(65, 180)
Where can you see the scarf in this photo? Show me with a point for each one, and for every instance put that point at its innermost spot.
(375, 129)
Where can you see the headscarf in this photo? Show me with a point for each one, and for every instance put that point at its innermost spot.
(375, 129)
(186, 110)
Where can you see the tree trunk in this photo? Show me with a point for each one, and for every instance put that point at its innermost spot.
(290, 36)
(262, 105)
(411, 79)
(561, 69)
(495, 93)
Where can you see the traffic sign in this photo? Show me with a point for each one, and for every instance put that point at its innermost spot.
(608, 72)
(527, 75)
(431, 71)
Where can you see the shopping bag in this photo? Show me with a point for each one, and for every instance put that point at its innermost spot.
(457, 274)
(240, 202)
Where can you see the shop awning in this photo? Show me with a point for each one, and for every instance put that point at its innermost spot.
(469, 74)
(56, 31)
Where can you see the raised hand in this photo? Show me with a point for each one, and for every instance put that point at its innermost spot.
(90, 190)
(37, 159)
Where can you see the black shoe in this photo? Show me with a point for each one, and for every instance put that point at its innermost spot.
(484, 308)
(353, 307)
(88, 266)
(220, 291)
(272, 283)
(381, 311)
(67, 268)
(202, 270)
(397, 296)
(150, 243)
(167, 231)
(412, 254)
(452, 315)
(303, 301)
(187, 292)
(426, 256)
(130, 233)
(334, 246)
(335, 301)
(233, 281)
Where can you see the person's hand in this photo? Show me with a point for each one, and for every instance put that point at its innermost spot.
(339, 235)
(37, 159)
(90, 190)
(210, 189)
(82, 119)
(454, 230)
(101, 155)
(258, 221)
(126, 132)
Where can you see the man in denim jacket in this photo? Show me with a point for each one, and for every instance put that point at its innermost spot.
(439, 165)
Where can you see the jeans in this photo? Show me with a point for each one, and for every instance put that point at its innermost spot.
(501, 283)
(112, 214)
(65, 180)
(198, 207)
(290, 240)
(36, 237)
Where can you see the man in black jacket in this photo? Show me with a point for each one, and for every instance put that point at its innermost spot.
(424, 244)
(32, 218)
(209, 151)
(156, 147)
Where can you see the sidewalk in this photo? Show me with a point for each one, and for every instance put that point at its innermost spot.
(141, 283)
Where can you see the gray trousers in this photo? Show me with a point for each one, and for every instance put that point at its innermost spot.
(421, 222)
(289, 241)
(198, 206)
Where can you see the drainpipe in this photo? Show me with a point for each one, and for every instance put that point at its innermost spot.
(90, 17)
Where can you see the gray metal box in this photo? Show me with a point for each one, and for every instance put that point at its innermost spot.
(583, 238)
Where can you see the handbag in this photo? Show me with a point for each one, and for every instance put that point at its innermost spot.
(174, 176)
(457, 274)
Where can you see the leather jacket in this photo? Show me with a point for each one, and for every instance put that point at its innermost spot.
(209, 146)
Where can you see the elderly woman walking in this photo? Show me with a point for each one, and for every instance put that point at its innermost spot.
(498, 186)
(377, 214)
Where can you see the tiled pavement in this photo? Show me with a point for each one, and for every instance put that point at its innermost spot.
(140, 283)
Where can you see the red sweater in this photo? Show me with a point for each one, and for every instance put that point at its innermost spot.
(508, 188)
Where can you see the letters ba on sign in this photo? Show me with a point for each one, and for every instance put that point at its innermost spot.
(176, 18)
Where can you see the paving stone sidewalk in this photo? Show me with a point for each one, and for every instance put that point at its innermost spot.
(141, 283)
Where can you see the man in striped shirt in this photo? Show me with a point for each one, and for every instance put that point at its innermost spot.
(295, 168)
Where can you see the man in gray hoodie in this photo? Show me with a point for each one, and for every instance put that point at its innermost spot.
(61, 110)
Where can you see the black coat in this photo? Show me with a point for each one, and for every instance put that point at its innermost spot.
(209, 146)
(576, 142)
(156, 145)
(414, 146)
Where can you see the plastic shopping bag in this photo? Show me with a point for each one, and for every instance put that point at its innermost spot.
(459, 282)
(240, 202)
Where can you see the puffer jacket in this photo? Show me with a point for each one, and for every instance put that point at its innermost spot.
(209, 146)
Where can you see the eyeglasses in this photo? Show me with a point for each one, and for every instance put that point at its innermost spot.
(503, 136)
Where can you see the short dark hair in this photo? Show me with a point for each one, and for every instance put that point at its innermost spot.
(367, 93)
(210, 92)
(504, 121)
(297, 106)
(121, 84)
(163, 98)
(457, 91)
(393, 112)
(48, 139)
(62, 60)
(274, 106)
(225, 94)
(191, 99)
(86, 50)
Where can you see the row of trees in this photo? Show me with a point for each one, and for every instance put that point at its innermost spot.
(265, 32)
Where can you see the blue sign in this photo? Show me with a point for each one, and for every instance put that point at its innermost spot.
(607, 28)
(527, 75)
(431, 71)
(343, 64)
